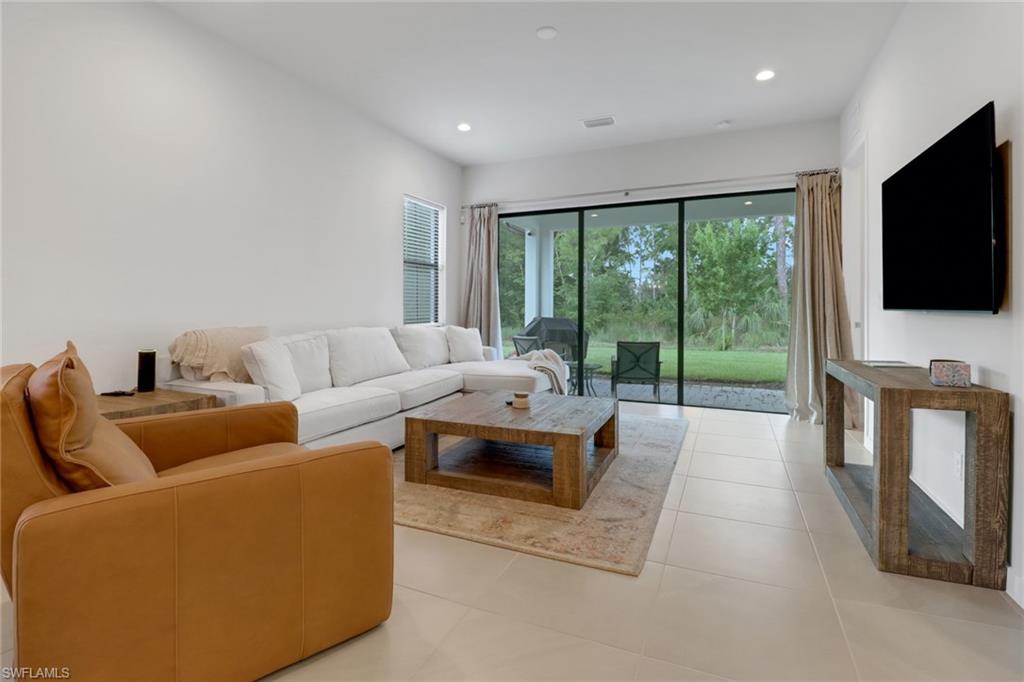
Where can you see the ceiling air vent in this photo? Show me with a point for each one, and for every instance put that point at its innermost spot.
(599, 122)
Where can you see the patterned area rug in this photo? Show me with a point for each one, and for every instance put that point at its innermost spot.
(613, 531)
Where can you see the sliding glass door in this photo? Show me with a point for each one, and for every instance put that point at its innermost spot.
(736, 282)
(538, 281)
(630, 278)
(681, 302)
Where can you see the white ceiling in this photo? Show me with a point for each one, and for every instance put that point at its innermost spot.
(663, 70)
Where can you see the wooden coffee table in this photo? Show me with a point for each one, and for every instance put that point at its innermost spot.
(555, 452)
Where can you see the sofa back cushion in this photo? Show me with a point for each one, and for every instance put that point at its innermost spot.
(270, 365)
(464, 345)
(310, 361)
(422, 345)
(362, 353)
(87, 450)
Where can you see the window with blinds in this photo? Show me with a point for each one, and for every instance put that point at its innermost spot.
(421, 251)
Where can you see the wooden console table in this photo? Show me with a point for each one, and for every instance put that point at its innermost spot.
(903, 530)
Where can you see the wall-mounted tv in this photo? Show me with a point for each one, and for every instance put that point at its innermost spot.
(943, 224)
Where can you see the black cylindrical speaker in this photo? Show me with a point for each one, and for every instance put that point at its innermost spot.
(147, 370)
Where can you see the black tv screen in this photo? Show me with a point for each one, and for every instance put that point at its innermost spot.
(942, 226)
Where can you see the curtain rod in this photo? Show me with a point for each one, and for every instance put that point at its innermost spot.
(650, 188)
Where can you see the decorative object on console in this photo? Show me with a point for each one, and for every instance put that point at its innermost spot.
(949, 373)
(521, 401)
(146, 380)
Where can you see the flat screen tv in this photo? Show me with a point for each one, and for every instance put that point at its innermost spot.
(943, 229)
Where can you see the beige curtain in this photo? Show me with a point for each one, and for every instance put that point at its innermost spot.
(481, 304)
(819, 319)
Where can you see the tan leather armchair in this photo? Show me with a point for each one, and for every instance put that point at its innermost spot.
(247, 554)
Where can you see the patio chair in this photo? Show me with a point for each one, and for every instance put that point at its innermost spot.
(525, 344)
(637, 362)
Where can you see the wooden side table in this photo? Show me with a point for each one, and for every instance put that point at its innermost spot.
(903, 530)
(160, 401)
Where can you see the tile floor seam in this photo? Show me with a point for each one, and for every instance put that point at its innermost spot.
(661, 578)
(729, 518)
(728, 454)
(929, 614)
(745, 580)
(831, 595)
(688, 667)
(491, 611)
(726, 480)
(441, 640)
(735, 435)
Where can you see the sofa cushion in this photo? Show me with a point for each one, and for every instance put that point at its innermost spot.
(420, 386)
(422, 345)
(361, 353)
(233, 457)
(87, 450)
(310, 361)
(464, 345)
(500, 375)
(270, 365)
(330, 410)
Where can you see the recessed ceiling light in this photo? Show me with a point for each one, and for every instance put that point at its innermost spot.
(765, 75)
(724, 124)
(593, 215)
(748, 203)
(547, 32)
(464, 127)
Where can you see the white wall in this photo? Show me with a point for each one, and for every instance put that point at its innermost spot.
(728, 156)
(158, 179)
(941, 63)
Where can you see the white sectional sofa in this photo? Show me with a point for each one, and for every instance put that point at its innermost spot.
(359, 383)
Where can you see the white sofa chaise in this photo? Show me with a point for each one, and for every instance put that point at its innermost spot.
(359, 383)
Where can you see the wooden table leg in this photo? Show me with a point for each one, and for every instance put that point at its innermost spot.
(891, 500)
(420, 451)
(608, 435)
(835, 420)
(569, 484)
(986, 490)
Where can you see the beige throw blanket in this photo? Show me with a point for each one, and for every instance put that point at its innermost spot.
(215, 354)
(549, 363)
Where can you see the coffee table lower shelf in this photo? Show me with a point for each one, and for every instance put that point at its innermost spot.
(516, 470)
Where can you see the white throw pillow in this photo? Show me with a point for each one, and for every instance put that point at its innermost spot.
(422, 345)
(310, 361)
(464, 345)
(270, 365)
(362, 353)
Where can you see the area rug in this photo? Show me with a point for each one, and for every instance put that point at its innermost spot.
(612, 532)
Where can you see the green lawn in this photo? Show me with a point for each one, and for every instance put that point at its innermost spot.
(744, 367)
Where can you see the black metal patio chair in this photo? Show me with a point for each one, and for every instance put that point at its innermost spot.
(637, 362)
(525, 344)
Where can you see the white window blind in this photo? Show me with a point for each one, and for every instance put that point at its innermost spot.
(421, 253)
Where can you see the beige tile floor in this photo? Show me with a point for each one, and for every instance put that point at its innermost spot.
(754, 573)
